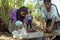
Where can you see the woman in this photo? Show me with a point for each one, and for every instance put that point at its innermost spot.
(18, 14)
(50, 16)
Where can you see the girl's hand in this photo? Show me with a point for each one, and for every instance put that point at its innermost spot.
(50, 29)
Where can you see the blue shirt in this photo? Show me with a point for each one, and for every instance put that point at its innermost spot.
(29, 17)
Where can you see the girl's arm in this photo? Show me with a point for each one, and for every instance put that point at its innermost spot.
(53, 21)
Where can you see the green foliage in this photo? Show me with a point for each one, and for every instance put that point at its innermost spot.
(29, 6)
(37, 16)
(7, 5)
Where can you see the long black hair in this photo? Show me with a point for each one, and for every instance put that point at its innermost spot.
(19, 17)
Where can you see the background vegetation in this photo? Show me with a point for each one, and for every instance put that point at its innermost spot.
(7, 5)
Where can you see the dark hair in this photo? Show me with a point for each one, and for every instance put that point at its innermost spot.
(19, 17)
(47, 1)
(23, 8)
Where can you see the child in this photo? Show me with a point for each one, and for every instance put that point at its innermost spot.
(29, 20)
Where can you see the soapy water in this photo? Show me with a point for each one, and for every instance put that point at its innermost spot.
(19, 33)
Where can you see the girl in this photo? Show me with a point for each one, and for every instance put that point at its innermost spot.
(29, 20)
(18, 14)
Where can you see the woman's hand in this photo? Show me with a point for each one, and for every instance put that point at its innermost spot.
(50, 29)
(45, 30)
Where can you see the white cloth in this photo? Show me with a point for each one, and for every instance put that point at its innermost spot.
(19, 33)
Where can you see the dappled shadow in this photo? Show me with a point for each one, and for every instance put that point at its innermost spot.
(5, 36)
(37, 24)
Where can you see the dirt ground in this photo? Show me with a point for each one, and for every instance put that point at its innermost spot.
(5, 36)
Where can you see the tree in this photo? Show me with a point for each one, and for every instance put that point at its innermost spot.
(29, 6)
(7, 5)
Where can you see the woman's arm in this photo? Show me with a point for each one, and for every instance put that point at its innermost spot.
(53, 21)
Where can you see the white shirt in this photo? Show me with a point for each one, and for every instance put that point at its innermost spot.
(50, 14)
(57, 3)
